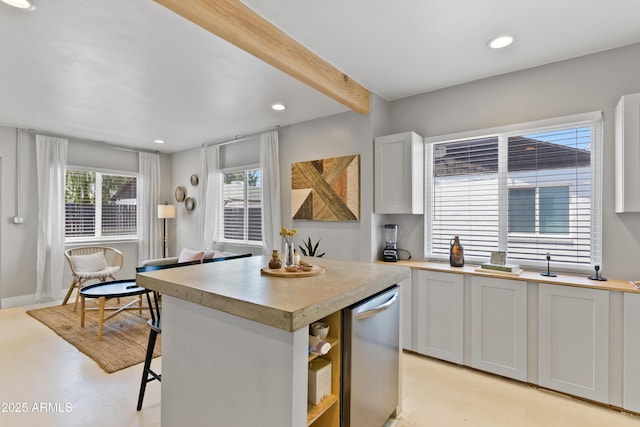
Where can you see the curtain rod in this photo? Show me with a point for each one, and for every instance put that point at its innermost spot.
(238, 138)
(90, 141)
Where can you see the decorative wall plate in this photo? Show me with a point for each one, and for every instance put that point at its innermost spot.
(194, 180)
(180, 194)
(189, 203)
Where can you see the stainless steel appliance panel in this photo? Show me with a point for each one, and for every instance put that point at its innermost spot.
(371, 357)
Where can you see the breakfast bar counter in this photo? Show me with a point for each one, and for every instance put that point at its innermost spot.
(235, 341)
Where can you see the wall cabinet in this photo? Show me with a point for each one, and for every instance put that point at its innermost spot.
(631, 352)
(499, 326)
(439, 315)
(573, 341)
(627, 154)
(399, 174)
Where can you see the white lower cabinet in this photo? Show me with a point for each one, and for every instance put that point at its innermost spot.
(439, 315)
(573, 341)
(406, 311)
(631, 352)
(499, 326)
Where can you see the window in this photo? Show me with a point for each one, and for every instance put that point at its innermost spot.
(528, 192)
(99, 205)
(241, 216)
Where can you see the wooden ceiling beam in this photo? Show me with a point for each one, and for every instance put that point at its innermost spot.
(236, 23)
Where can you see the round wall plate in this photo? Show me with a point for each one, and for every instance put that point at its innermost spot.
(189, 203)
(180, 194)
(194, 180)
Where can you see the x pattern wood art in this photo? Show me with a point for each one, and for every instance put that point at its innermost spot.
(327, 189)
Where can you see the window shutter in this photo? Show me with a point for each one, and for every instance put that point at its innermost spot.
(242, 206)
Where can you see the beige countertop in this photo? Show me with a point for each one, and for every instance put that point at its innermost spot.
(529, 276)
(238, 287)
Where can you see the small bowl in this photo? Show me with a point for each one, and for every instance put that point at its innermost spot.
(291, 268)
(307, 267)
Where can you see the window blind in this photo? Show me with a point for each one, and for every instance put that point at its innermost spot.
(242, 206)
(527, 193)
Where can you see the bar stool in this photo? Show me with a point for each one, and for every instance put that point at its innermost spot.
(148, 374)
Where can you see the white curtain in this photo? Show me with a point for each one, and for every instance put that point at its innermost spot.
(270, 191)
(51, 155)
(210, 195)
(148, 194)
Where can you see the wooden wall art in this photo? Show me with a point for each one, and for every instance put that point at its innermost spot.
(327, 189)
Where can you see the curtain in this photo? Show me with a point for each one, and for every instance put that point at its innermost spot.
(51, 159)
(210, 195)
(270, 191)
(148, 194)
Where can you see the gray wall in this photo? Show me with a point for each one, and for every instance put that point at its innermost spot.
(589, 83)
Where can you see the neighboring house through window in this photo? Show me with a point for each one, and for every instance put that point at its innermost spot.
(241, 213)
(525, 190)
(99, 205)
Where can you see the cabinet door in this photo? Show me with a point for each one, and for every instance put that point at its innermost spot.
(573, 341)
(627, 153)
(438, 318)
(499, 326)
(631, 363)
(406, 321)
(399, 174)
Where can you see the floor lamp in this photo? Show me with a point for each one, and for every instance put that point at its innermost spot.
(165, 212)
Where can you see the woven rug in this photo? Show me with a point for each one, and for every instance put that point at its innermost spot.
(124, 339)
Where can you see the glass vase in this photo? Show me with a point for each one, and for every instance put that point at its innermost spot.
(288, 252)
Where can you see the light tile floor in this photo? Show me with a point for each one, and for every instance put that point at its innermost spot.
(37, 367)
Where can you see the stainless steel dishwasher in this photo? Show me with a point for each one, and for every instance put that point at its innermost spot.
(370, 360)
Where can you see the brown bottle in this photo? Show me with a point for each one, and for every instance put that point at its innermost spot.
(274, 262)
(456, 253)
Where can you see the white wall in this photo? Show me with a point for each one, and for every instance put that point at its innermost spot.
(589, 83)
(18, 242)
(334, 136)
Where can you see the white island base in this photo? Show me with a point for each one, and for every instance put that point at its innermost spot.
(224, 370)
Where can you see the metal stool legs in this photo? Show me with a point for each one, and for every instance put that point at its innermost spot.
(148, 374)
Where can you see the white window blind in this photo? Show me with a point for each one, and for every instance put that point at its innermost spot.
(99, 205)
(527, 193)
(241, 206)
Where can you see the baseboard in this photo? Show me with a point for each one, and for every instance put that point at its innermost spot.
(18, 301)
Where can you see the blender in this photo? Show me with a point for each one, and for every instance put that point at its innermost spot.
(390, 251)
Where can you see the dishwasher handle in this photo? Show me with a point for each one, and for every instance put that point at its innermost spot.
(375, 310)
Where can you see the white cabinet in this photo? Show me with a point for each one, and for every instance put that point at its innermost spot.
(499, 326)
(631, 352)
(439, 315)
(399, 174)
(573, 341)
(406, 313)
(627, 154)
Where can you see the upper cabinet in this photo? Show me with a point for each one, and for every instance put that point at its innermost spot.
(627, 153)
(399, 174)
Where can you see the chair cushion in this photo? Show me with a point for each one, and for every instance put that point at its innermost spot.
(189, 255)
(98, 274)
(89, 263)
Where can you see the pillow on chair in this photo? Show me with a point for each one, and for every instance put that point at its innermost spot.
(89, 263)
(188, 255)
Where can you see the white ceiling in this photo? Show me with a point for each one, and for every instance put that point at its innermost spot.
(127, 72)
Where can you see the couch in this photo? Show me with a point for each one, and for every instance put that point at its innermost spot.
(188, 255)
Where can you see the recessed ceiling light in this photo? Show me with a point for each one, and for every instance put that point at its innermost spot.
(278, 107)
(21, 4)
(158, 141)
(500, 42)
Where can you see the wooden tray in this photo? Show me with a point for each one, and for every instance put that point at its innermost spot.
(281, 272)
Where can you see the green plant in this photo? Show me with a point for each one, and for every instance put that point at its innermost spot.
(310, 249)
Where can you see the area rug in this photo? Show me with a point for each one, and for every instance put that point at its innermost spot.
(124, 339)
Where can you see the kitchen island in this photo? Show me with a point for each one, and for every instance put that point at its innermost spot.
(235, 341)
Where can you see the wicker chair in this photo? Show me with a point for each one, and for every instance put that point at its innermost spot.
(89, 263)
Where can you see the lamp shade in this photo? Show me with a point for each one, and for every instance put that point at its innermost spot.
(166, 211)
